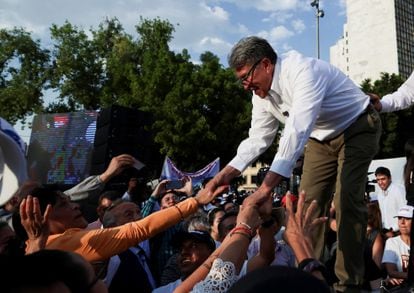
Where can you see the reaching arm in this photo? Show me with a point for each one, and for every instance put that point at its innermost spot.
(233, 249)
(97, 183)
(266, 251)
(398, 100)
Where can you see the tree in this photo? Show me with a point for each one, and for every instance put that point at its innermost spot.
(206, 115)
(23, 74)
(194, 106)
(397, 127)
(77, 71)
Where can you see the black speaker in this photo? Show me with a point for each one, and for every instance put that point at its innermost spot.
(121, 130)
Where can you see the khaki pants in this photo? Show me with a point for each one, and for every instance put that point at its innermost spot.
(340, 166)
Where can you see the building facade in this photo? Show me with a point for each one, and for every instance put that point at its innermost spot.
(378, 37)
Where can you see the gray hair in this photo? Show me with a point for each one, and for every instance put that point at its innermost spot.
(198, 222)
(250, 50)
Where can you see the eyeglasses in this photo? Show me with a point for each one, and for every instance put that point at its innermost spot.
(250, 72)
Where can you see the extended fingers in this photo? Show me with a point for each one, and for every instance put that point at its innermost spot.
(300, 205)
(311, 212)
(22, 209)
(36, 210)
(29, 207)
(47, 213)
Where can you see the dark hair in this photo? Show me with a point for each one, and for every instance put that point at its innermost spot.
(212, 215)
(110, 194)
(43, 269)
(249, 50)
(374, 215)
(225, 216)
(383, 171)
(179, 194)
(279, 279)
(45, 195)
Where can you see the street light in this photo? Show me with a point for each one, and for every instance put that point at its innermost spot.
(319, 13)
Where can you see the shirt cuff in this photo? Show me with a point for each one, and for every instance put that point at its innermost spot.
(238, 164)
(282, 167)
(385, 107)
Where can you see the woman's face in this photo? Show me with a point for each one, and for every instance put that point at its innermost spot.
(405, 225)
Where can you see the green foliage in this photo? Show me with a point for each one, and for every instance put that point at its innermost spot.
(199, 110)
(23, 73)
(397, 127)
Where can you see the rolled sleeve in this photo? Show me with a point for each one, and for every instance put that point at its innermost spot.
(261, 135)
(401, 99)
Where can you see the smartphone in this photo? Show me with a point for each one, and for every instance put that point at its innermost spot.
(174, 184)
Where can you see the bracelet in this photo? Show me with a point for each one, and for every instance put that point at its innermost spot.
(310, 265)
(181, 213)
(247, 231)
(245, 225)
(241, 233)
(242, 230)
(206, 266)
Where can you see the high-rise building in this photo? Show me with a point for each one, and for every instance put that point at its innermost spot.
(378, 37)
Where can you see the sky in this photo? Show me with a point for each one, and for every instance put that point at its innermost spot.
(209, 25)
(200, 25)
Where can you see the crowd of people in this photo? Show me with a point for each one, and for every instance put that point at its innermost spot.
(328, 237)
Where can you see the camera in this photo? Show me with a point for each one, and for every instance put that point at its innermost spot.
(174, 184)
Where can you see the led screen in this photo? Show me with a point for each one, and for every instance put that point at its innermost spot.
(61, 147)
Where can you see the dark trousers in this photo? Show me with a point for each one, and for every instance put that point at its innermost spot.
(340, 165)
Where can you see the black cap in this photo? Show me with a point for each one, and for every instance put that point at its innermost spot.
(197, 235)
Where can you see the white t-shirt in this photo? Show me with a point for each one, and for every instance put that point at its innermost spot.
(397, 252)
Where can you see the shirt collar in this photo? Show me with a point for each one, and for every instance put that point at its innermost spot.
(275, 86)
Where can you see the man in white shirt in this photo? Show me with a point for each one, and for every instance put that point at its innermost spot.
(391, 197)
(324, 110)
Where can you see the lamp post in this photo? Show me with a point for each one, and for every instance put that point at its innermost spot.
(319, 13)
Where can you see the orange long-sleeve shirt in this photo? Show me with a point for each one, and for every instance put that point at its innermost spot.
(101, 244)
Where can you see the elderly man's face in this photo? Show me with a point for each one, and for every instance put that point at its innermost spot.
(256, 77)
(126, 212)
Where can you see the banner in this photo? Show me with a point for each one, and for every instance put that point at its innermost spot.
(170, 171)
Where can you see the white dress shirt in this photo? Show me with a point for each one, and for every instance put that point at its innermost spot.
(390, 201)
(312, 98)
(401, 99)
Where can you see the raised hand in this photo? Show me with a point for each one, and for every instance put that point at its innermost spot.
(300, 226)
(35, 224)
(117, 165)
